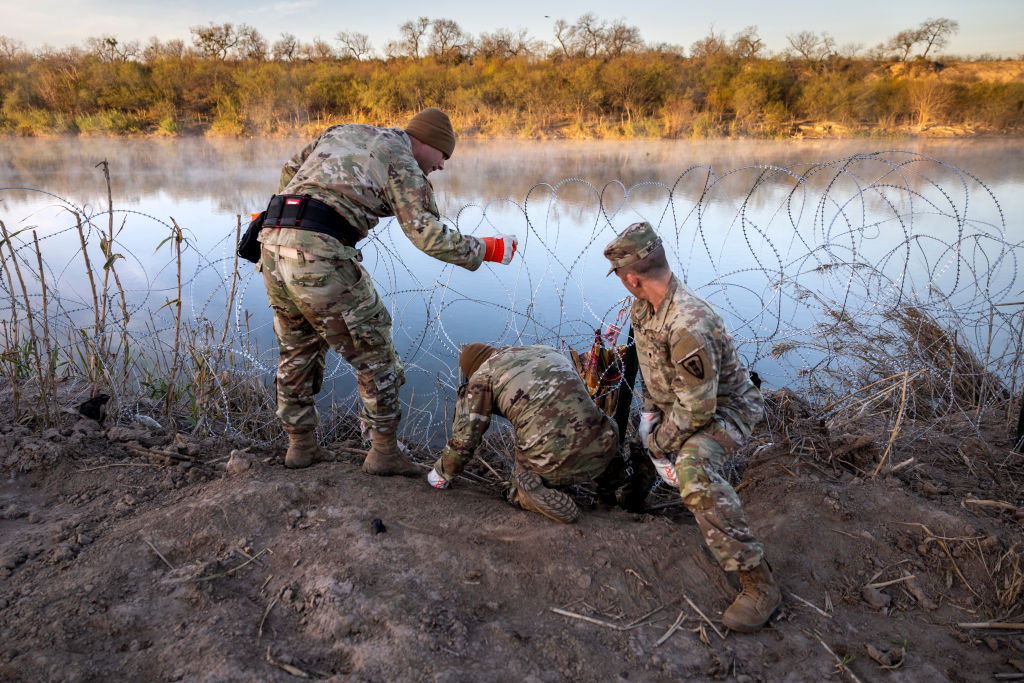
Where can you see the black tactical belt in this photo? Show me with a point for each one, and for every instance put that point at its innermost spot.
(302, 212)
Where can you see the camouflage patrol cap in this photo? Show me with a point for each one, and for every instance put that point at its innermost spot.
(634, 244)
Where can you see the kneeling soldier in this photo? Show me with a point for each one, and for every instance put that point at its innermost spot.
(562, 437)
(700, 405)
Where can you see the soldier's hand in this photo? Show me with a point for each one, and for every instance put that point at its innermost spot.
(500, 249)
(436, 480)
(666, 470)
(647, 423)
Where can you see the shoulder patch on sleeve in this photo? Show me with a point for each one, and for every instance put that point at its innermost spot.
(690, 352)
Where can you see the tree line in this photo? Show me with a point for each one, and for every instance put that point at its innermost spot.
(594, 78)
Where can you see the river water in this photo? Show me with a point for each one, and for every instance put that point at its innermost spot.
(774, 234)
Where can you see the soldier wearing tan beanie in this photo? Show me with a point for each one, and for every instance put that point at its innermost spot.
(433, 127)
(340, 185)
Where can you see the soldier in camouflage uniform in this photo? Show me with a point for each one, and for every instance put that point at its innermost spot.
(699, 406)
(562, 437)
(321, 294)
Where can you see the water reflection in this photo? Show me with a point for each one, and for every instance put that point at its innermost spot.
(775, 238)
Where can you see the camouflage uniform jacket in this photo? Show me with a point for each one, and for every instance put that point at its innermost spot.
(366, 173)
(538, 390)
(691, 371)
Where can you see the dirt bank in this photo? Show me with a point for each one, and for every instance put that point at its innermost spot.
(116, 563)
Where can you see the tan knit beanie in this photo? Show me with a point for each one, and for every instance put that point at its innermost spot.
(433, 127)
(473, 356)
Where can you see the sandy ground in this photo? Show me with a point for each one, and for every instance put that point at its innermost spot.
(116, 564)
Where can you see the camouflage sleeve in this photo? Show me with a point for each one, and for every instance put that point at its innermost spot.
(649, 406)
(291, 166)
(472, 418)
(695, 386)
(410, 195)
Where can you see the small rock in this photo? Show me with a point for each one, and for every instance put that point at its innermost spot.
(990, 544)
(875, 597)
(238, 462)
(992, 643)
(929, 489)
(83, 539)
(147, 421)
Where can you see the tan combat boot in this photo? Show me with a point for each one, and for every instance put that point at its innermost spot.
(303, 450)
(532, 494)
(758, 599)
(384, 458)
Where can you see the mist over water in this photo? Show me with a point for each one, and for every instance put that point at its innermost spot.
(742, 222)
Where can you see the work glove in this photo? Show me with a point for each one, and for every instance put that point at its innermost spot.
(648, 421)
(500, 249)
(436, 480)
(666, 470)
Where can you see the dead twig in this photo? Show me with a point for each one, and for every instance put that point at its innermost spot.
(704, 617)
(288, 668)
(159, 554)
(266, 612)
(672, 629)
(883, 584)
(1003, 625)
(841, 663)
(592, 620)
(989, 503)
(231, 571)
(811, 605)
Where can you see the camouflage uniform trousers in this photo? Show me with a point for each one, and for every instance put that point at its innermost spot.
(320, 302)
(583, 464)
(713, 501)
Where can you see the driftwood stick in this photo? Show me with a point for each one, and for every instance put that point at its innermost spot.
(1006, 625)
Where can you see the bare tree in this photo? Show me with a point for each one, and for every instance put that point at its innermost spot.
(412, 36)
(448, 42)
(110, 49)
(11, 47)
(213, 40)
(505, 44)
(317, 51)
(711, 45)
(589, 33)
(564, 36)
(814, 48)
(903, 42)
(356, 44)
(747, 44)
(286, 48)
(251, 43)
(174, 48)
(620, 39)
(936, 33)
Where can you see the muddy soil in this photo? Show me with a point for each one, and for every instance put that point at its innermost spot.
(117, 562)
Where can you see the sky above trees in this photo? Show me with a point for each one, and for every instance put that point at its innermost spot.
(987, 27)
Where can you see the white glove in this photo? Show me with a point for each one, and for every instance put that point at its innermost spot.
(647, 423)
(436, 480)
(666, 470)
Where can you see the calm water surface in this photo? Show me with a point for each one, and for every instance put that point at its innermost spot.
(752, 226)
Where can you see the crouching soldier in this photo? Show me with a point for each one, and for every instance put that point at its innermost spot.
(562, 437)
(700, 405)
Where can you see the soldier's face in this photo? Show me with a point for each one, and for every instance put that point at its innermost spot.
(630, 282)
(428, 158)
